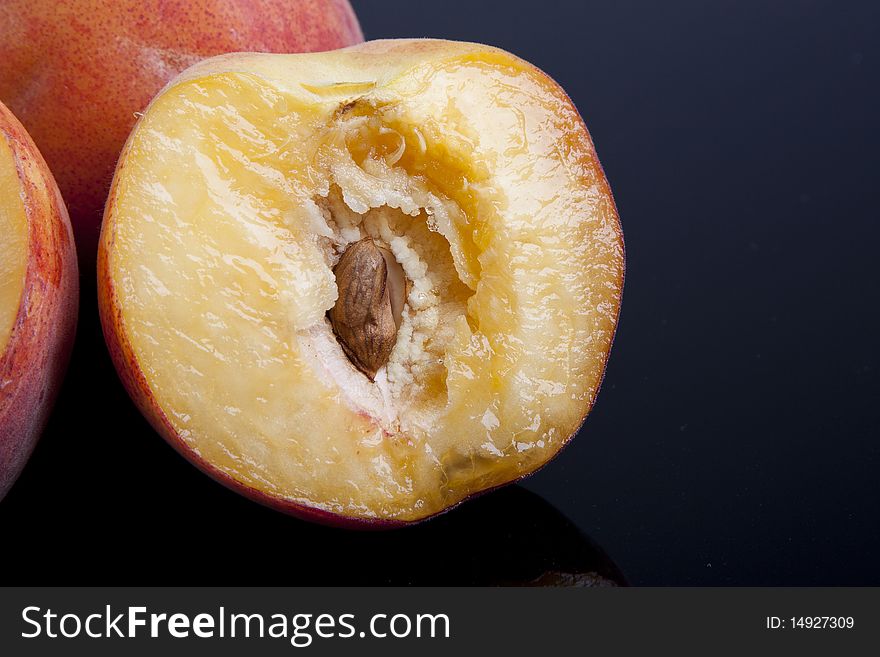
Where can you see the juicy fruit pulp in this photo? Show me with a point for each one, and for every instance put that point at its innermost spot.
(240, 190)
(13, 248)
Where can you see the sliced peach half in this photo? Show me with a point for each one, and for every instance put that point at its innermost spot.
(362, 285)
(38, 295)
(13, 252)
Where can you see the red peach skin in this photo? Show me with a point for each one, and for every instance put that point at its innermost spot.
(76, 72)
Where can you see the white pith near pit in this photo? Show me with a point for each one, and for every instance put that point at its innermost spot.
(410, 391)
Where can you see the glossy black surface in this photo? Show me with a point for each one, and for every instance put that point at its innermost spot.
(736, 438)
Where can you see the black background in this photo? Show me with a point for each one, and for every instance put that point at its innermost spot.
(735, 440)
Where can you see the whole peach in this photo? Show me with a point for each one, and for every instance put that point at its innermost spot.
(76, 72)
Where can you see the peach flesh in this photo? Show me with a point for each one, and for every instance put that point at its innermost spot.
(472, 167)
(13, 250)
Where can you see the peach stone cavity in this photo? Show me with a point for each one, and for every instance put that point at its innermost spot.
(237, 195)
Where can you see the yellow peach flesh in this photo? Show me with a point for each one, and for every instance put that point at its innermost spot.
(13, 249)
(247, 178)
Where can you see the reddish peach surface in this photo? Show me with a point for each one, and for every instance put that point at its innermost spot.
(32, 365)
(75, 72)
